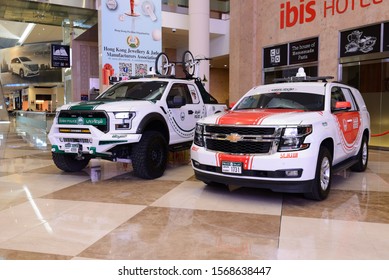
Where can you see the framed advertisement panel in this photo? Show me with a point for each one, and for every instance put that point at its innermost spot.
(275, 56)
(304, 51)
(359, 41)
(60, 56)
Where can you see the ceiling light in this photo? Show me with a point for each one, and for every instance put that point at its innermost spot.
(26, 32)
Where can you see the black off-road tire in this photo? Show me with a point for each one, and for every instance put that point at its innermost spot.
(69, 162)
(149, 156)
(363, 156)
(323, 178)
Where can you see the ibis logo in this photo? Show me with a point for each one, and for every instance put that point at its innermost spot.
(291, 14)
(304, 11)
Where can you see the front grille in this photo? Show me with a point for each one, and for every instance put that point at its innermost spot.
(33, 67)
(246, 130)
(241, 147)
(242, 139)
(76, 140)
(73, 117)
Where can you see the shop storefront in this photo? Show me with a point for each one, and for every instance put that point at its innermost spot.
(346, 39)
(364, 64)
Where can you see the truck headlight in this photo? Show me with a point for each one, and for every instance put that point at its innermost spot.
(124, 115)
(126, 118)
(199, 135)
(292, 138)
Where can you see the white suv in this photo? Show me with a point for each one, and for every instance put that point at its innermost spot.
(24, 67)
(287, 137)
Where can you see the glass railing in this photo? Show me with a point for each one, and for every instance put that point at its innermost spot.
(34, 126)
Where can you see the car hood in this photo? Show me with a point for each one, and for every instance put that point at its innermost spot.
(108, 105)
(29, 63)
(264, 117)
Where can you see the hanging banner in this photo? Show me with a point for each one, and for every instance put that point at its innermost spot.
(131, 37)
(60, 56)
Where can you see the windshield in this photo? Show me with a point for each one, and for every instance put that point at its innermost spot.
(25, 59)
(151, 91)
(283, 100)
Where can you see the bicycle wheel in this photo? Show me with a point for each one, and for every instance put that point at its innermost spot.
(188, 63)
(162, 64)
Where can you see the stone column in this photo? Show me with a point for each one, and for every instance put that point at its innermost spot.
(199, 12)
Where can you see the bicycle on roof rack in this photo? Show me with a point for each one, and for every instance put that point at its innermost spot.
(163, 66)
(190, 65)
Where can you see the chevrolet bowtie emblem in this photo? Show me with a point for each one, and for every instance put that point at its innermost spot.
(234, 137)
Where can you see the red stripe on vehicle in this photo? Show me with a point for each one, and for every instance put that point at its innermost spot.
(249, 117)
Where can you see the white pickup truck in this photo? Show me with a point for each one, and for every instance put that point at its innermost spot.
(136, 121)
(287, 137)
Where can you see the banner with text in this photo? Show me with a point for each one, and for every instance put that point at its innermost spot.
(131, 37)
(292, 53)
(304, 51)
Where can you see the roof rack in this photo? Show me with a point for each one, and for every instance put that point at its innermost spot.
(114, 79)
(303, 79)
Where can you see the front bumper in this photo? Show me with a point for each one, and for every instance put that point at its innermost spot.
(31, 73)
(91, 141)
(276, 186)
(283, 172)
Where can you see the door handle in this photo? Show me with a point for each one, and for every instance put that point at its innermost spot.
(190, 112)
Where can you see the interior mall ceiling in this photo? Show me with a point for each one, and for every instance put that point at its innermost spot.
(50, 19)
(15, 15)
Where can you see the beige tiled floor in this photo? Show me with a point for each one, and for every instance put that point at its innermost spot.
(48, 214)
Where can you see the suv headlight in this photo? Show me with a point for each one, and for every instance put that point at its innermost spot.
(126, 118)
(199, 135)
(292, 138)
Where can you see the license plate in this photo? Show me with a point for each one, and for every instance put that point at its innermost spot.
(71, 148)
(232, 167)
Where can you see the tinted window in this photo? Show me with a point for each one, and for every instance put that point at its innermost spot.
(151, 91)
(283, 100)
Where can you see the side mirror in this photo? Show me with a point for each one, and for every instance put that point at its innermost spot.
(342, 105)
(232, 104)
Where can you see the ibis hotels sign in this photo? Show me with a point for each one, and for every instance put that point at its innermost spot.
(296, 12)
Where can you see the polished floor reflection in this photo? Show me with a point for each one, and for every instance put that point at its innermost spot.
(48, 214)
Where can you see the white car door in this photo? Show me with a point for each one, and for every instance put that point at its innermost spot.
(184, 109)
